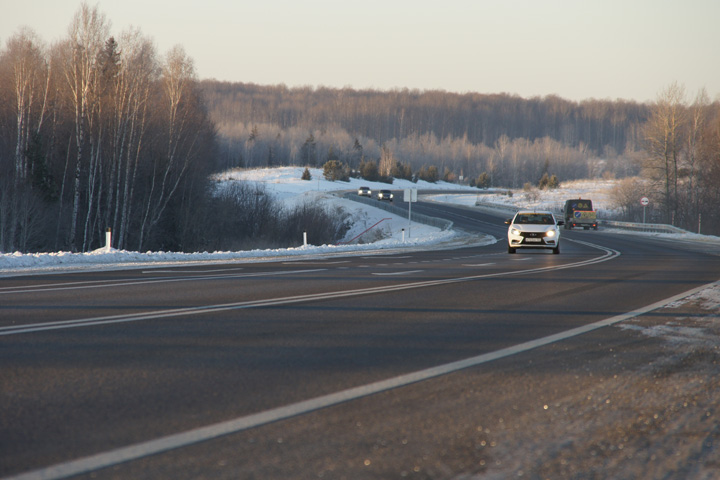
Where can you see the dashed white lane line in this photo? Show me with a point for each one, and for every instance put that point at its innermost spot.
(301, 262)
(404, 272)
(194, 272)
(202, 434)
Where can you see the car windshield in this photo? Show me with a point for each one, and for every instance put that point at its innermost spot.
(534, 219)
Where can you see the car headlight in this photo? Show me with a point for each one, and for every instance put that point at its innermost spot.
(515, 231)
(551, 233)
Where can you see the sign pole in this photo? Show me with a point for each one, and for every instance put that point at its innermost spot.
(410, 196)
(409, 217)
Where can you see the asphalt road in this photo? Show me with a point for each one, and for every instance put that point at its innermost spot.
(289, 369)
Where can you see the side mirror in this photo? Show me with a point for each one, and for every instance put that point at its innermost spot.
(508, 221)
(560, 223)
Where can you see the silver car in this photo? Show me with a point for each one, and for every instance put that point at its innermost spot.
(364, 192)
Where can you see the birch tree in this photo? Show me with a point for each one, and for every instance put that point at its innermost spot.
(31, 74)
(87, 33)
(663, 138)
(697, 117)
(181, 135)
(129, 68)
(25, 67)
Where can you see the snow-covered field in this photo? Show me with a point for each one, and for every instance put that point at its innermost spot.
(286, 184)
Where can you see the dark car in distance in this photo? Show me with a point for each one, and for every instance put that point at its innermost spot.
(385, 195)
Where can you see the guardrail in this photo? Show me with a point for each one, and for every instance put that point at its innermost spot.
(642, 227)
(510, 209)
(440, 223)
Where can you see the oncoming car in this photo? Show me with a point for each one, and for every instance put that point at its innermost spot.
(385, 195)
(364, 192)
(533, 230)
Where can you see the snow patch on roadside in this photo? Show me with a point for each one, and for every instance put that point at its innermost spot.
(698, 330)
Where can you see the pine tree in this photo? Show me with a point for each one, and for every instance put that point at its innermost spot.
(369, 171)
(333, 170)
(307, 152)
(483, 181)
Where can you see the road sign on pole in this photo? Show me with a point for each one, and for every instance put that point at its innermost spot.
(410, 196)
(644, 201)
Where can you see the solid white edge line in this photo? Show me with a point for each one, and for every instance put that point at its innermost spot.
(202, 434)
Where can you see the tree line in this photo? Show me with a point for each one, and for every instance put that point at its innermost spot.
(681, 160)
(97, 132)
(508, 137)
(397, 114)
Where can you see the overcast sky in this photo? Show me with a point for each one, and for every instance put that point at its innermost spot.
(576, 49)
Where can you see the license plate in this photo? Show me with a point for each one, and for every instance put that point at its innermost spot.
(536, 240)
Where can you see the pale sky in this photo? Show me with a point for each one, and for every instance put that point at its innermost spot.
(576, 49)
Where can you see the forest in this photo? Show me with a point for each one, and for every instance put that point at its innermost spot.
(96, 133)
(512, 139)
(101, 131)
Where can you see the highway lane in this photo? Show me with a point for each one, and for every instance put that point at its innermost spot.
(202, 345)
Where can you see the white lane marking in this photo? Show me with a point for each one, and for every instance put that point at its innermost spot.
(213, 270)
(113, 319)
(477, 264)
(405, 272)
(118, 283)
(300, 262)
(203, 434)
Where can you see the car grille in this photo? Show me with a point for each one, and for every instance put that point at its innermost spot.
(533, 238)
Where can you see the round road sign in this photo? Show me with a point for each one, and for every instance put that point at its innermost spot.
(644, 201)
